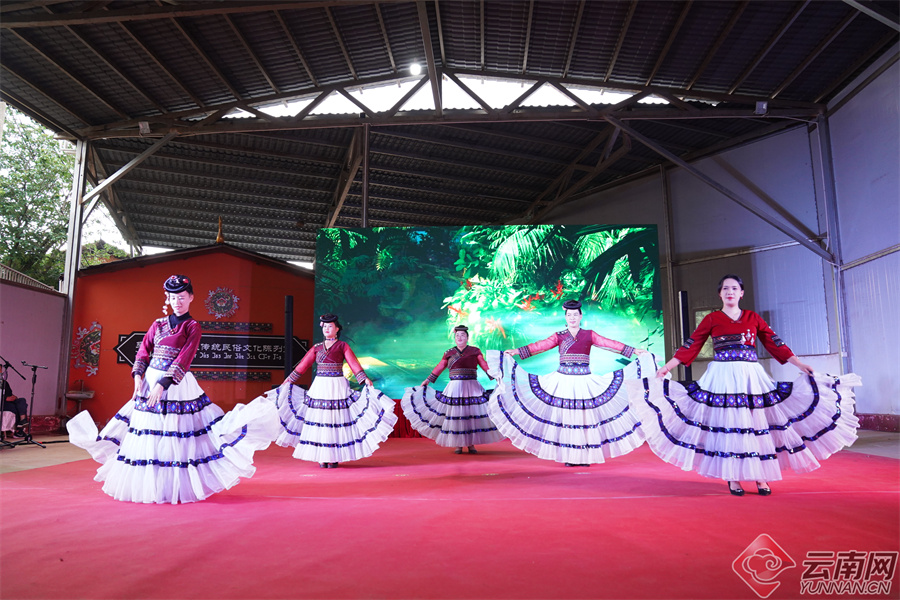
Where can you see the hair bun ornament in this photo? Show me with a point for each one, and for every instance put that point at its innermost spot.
(177, 283)
(571, 304)
(328, 318)
(462, 328)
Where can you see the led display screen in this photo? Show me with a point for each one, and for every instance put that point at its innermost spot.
(400, 291)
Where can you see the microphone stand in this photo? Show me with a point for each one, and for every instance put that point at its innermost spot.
(6, 367)
(28, 439)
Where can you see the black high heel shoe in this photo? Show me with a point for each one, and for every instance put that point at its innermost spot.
(736, 492)
(763, 491)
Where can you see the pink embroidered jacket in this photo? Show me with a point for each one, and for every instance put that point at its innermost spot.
(329, 363)
(169, 345)
(575, 352)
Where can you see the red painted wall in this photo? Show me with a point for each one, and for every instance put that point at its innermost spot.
(128, 296)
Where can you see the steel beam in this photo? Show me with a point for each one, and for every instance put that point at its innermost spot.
(433, 75)
(771, 220)
(94, 194)
(351, 167)
(365, 177)
(670, 256)
(73, 262)
(834, 239)
(876, 12)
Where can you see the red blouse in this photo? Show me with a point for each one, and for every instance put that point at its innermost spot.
(463, 364)
(734, 340)
(329, 362)
(170, 345)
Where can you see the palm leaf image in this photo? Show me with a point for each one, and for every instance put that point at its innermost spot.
(637, 246)
(518, 249)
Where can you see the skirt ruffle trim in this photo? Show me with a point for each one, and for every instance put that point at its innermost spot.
(150, 457)
(332, 429)
(579, 419)
(737, 443)
(461, 422)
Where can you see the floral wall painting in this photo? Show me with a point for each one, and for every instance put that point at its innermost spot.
(222, 303)
(86, 348)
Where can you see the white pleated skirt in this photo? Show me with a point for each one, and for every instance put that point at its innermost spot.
(455, 417)
(737, 424)
(183, 449)
(577, 419)
(332, 422)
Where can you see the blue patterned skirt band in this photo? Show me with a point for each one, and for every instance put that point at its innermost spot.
(329, 370)
(463, 374)
(577, 404)
(338, 404)
(173, 407)
(163, 357)
(782, 390)
(574, 368)
(161, 364)
(571, 357)
(462, 400)
(735, 353)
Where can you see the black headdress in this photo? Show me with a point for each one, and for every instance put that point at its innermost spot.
(572, 305)
(178, 283)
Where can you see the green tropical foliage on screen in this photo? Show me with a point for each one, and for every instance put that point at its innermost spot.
(400, 291)
(534, 269)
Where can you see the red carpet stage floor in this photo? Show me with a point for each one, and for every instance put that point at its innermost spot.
(416, 521)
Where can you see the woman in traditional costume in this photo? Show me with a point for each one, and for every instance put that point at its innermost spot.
(170, 443)
(570, 416)
(736, 423)
(456, 417)
(332, 423)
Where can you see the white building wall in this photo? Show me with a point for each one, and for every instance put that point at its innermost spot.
(865, 140)
(774, 174)
(872, 292)
(789, 285)
(31, 323)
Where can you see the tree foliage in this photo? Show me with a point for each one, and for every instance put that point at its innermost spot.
(35, 176)
(99, 252)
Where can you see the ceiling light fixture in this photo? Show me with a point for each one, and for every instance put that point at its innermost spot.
(415, 68)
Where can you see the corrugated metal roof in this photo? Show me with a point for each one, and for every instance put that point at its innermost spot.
(94, 71)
